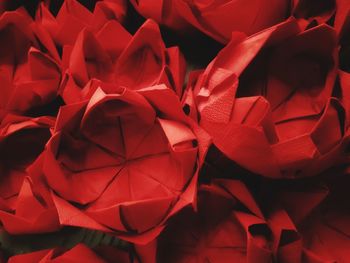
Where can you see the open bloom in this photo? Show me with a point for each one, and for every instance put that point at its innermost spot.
(269, 102)
(73, 17)
(219, 19)
(25, 203)
(113, 56)
(123, 162)
(29, 64)
(216, 18)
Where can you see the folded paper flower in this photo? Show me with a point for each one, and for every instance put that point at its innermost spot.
(112, 150)
(73, 17)
(123, 162)
(228, 227)
(29, 64)
(24, 201)
(218, 19)
(268, 101)
(79, 253)
(113, 56)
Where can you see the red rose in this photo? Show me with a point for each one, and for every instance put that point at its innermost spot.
(113, 56)
(24, 201)
(79, 253)
(123, 162)
(29, 62)
(270, 105)
(73, 17)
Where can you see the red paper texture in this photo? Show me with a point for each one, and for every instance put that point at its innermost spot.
(80, 253)
(218, 19)
(202, 131)
(132, 170)
(284, 102)
(30, 71)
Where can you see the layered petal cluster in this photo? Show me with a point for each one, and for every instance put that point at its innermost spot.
(123, 162)
(218, 19)
(114, 56)
(73, 17)
(25, 202)
(30, 65)
(271, 98)
(113, 150)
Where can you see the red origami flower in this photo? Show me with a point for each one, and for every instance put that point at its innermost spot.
(29, 64)
(113, 56)
(219, 19)
(73, 17)
(24, 201)
(342, 25)
(120, 160)
(269, 101)
(216, 18)
(123, 162)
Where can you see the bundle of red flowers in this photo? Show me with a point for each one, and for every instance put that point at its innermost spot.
(204, 131)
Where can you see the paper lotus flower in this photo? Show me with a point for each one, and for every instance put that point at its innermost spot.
(268, 102)
(25, 203)
(73, 17)
(123, 162)
(29, 63)
(114, 56)
(218, 19)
